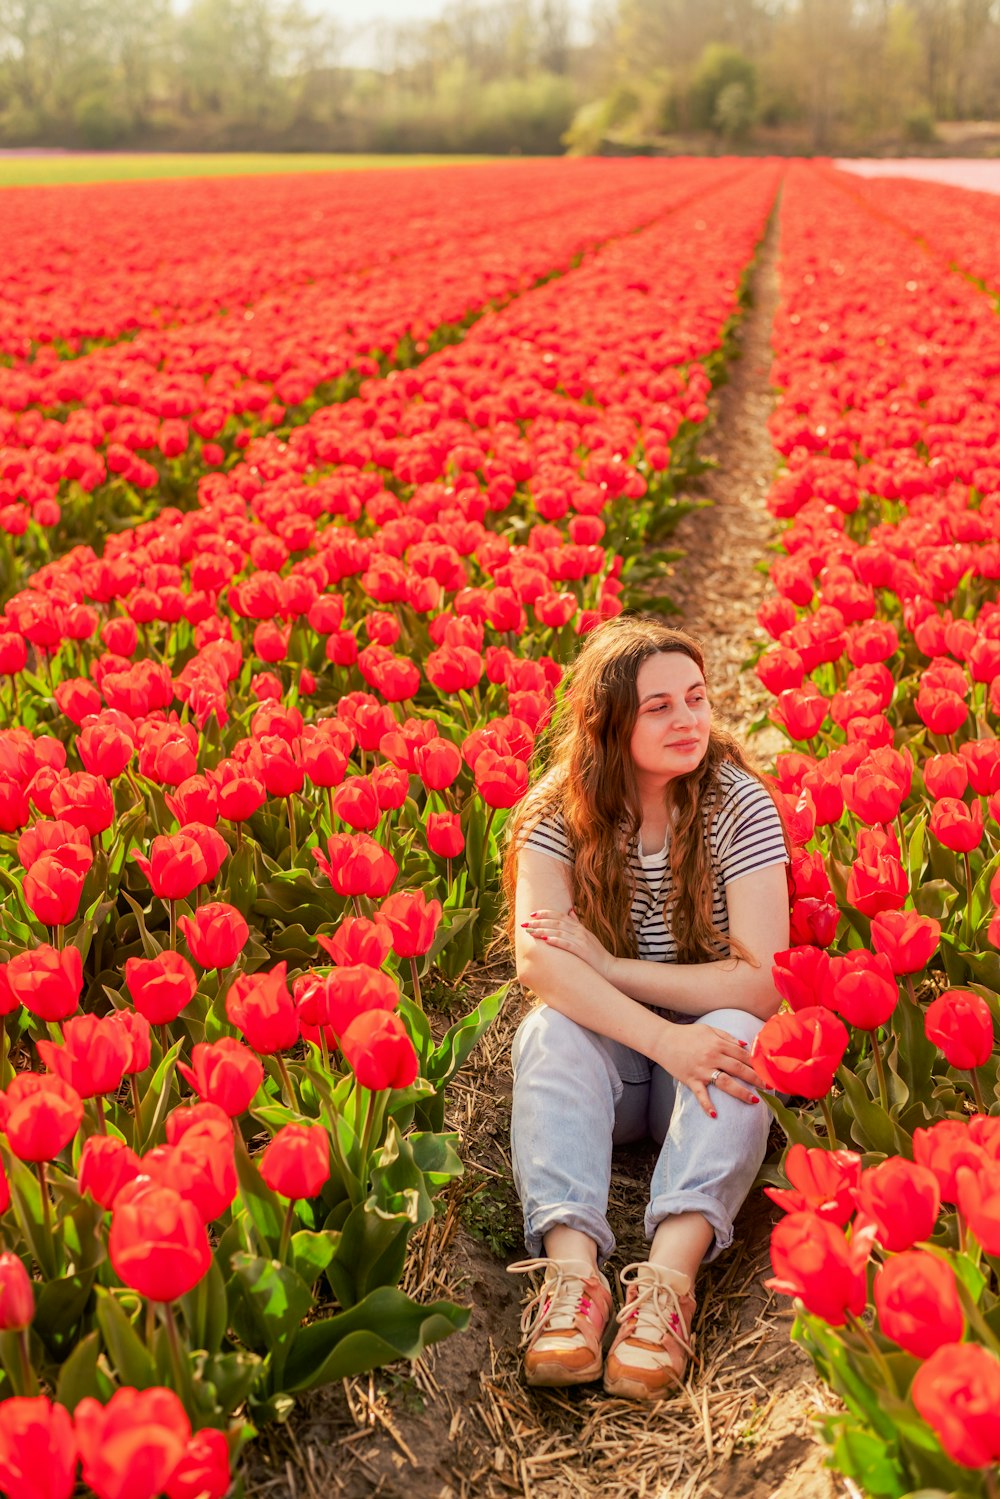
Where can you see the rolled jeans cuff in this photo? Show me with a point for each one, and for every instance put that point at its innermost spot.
(568, 1215)
(669, 1203)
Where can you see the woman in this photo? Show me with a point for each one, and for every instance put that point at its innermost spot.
(646, 883)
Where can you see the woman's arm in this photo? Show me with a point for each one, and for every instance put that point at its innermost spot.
(570, 984)
(758, 918)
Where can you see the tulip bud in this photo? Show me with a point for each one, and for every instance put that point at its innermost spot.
(17, 1298)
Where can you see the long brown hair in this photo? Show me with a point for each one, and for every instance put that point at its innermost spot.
(590, 779)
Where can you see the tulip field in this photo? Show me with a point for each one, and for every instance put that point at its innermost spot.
(309, 487)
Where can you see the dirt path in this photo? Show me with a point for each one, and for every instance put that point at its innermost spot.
(463, 1426)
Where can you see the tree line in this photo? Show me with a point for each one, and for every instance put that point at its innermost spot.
(498, 75)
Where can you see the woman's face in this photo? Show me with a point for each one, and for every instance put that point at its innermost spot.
(671, 731)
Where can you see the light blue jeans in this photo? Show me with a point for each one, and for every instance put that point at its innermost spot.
(577, 1093)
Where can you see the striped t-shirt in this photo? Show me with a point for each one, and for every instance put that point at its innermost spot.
(746, 836)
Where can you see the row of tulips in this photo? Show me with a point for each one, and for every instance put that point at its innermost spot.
(129, 427)
(885, 666)
(257, 762)
(962, 227)
(101, 262)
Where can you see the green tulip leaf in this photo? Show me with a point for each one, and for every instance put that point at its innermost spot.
(131, 1359)
(267, 1302)
(385, 1326)
(81, 1375)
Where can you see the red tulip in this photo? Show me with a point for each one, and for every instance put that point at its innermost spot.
(814, 1261)
(38, 1449)
(862, 988)
(224, 1072)
(444, 835)
(345, 993)
(17, 1296)
(297, 1161)
(85, 800)
(39, 1114)
(800, 974)
(93, 1057)
(356, 803)
(203, 1471)
(412, 919)
(161, 987)
(907, 939)
(960, 1024)
(877, 881)
(902, 1199)
(917, 1301)
(957, 1392)
(945, 776)
(261, 1007)
(378, 1049)
(979, 1202)
(801, 711)
(823, 1182)
(956, 825)
(158, 1244)
(47, 982)
(799, 1053)
(216, 934)
(106, 1165)
(357, 865)
(358, 940)
(438, 763)
(175, 868)
(943, 1149)
(54, 884)
(130, 1447)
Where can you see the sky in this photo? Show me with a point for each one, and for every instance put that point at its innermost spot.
(360, 20)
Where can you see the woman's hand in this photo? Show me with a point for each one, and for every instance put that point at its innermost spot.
(692, 1053)
(564, 929)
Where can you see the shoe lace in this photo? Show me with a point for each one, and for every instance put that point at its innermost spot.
(563, 1296)
(657, 1310)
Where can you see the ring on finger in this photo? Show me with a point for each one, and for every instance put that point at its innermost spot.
(715, 1076)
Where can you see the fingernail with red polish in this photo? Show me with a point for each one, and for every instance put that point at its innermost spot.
(755, 1099)
(743, 1044)
(714, 1115)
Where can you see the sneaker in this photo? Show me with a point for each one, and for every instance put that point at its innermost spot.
(654, 1342)
(563, 1326)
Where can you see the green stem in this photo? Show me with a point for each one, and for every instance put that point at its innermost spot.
(977, 1090)
(417, 1000)
(883, 1091)
(175, 1349)
(372, 1114)
(43, 1183)
(172, 904)
(286, 1230)
(288, 1095)
(911, 991)
(862, 1331)
(293, 852)
(828, 1116)
(29, 1384)
(968, 902)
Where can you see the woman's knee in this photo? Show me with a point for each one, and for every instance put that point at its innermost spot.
(740, 1024)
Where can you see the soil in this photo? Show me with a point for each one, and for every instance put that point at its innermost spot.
(459, 1424)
